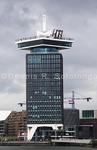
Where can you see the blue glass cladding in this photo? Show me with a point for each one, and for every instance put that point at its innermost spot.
(34, 59)
(44, 50)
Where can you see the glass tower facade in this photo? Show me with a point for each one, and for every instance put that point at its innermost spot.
(44, 79)
(44, 86)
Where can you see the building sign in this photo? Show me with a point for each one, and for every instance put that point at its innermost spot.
(57, 33)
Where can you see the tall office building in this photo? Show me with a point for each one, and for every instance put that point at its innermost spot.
(44, 82)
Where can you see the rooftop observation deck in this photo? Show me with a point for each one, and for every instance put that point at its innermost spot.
(44, 41)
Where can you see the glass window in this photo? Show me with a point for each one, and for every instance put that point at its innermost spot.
(29, 59)
(88, 113)
(43, 95)
(50, 42)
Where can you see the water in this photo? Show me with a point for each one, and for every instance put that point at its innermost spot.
(43, 148)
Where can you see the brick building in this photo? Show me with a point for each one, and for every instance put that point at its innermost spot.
(3, 117)
(13, 124)
(16, 123)
(89, 119)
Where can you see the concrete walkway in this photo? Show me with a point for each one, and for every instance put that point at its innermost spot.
(76, 141)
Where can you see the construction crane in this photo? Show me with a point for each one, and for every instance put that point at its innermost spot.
(72, 100)
(21, 104)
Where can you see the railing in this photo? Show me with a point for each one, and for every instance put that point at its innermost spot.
(34, 37)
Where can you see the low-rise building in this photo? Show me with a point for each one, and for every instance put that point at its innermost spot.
(85, 131)
(16, 123)
(3, 117)
(89, 120)
(13, 123)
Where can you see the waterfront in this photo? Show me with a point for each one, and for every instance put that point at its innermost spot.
(44, 148)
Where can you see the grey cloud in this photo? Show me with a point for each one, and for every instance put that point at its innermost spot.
(22, 18)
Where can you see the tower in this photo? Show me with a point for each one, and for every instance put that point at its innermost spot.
(44, 82)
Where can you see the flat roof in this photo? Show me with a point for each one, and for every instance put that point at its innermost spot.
(45, 42)
(42, 37)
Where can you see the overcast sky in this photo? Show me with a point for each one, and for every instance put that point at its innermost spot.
(21, 18)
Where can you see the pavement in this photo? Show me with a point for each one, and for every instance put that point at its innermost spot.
(77, 141)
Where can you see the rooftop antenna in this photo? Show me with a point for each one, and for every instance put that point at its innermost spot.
(44, 32)
(44, 23)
